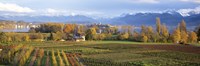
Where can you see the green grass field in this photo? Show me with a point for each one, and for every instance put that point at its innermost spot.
(122, 53)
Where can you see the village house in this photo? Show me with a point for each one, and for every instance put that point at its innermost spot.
(78, 36)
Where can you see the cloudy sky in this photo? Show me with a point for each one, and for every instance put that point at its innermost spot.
(94, 8)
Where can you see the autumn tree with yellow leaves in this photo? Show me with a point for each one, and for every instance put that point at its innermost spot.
(193, 37)
(90, 34)
(158, 25)
(176, 37)
(164, 33)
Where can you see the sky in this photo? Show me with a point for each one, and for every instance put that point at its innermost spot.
(94, 8)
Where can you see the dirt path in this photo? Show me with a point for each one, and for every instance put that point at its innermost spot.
(175, 47)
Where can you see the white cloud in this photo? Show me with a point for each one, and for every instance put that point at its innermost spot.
(137, 1)
(195, 1)
(59, 12)
(50, 10)
(146, 1)
(111, 1)
(6, 7)
(187, 12)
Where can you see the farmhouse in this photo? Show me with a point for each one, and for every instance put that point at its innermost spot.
(79, 37)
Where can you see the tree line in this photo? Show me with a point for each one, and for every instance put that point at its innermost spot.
(148, 34)
(58, 31)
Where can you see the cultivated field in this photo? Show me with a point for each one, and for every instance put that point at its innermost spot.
(110, 53)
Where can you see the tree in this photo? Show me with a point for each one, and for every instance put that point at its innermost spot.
(144, 38)
(50, 27)
(58, 35)
(197, 30)
(143, 29)
(69, 28)
(183, 30)
(155, 37)
(123, 36)
(164, 33)
(90, 34)
(193, 37)
(184, 37)
(99, 36)
(158, 25)
(109, 36)
(149, 32)
(183, 26)
(81, 29)
(110, 30)
(136, 36)
(176, 35)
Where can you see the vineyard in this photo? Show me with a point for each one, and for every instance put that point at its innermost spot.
(98, 54)
(22, 55)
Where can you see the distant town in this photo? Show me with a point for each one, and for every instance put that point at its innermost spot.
(10, 26)
(21, 26)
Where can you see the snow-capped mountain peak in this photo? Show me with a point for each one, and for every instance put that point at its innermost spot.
(189, 12)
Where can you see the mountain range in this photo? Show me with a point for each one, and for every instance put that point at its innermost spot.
(168, 18)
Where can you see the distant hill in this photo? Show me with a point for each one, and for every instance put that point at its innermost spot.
(74, 19)
(172, 18)
(169, 18)
(149, 18)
